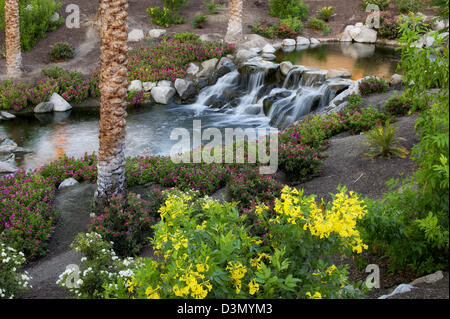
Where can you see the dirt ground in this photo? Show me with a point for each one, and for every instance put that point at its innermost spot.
(86, 40)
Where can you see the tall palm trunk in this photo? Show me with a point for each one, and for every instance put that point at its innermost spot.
(12, 38)
(113, 89)
(234, 31)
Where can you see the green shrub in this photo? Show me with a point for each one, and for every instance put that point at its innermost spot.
(61, 51)
(291, 25)
(326, 13)
(198, 21)
(186, 36)
(372, 85)
(288, 8)
(163, 16)
(382, 4)
(264, 30)
(12, 283)
(35, 20)
(389, 29)
(406, 6)
(381, 142)
(317, 24)
(398, 105)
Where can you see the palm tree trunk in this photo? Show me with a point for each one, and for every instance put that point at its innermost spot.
(12, 38)
(234, 31)
(113, 89)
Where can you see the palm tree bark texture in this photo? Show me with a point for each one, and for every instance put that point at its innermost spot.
(113, 90)
(234, 31)
(12, 38)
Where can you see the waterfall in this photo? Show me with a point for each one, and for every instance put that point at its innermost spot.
(247, 93)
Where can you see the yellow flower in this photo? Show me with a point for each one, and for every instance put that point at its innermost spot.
(253, 287)
(202, 226)
(331, 269)
(237, 272)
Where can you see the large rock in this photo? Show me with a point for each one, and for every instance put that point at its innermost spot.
(148, 86)
(303, 41)
(211, 37)
(224, 66)
(244, 55)
(185, 89)
(289, 43)
(59, 104)
(396, 79)
(339, 85)
(314, 41)
(429, 279)
(7, 168)
(338, 74)
(43, 107)
(156, 33)
(68, 183)
(192, 69)
(135, 35)
(269, 49)
(135, 85)
(285, 67)
(359, 33)
(165, 83)
(254, 41)
(7, 146)
(162, 94)
(268, 56)
(7, 115)
(208, 67)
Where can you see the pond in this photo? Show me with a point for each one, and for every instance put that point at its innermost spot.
(74, 133)
(359, 59)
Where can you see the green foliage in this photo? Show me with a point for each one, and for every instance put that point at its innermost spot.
(288, 8)
(382, 4)
(198, 21)
(61, 51)
(326, 13)
(287, 28)
(35, 20)
(406, 6)
(318, 24)
(163, 16)
(186, 36)
(372, 85)
(381, 142)
(212, 6)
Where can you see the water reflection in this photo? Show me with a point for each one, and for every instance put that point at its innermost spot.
(358, 58)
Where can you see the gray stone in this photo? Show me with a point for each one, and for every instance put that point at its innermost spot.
(68, 183)
(208, 67)
(285, 67)
(135, 85)
(346, 37)
(338, 74)
(338, 85)
(269, 56)
(2, 137)
(396, 79)
(7, 146)
(303, 41)
(59, 104)
(252, 110)
(22, 151)
(162, 94)
(7, 115)
(341, 98)
(244, 55)
(288, 43)
(401, 289)
(429, 279)
(192, 69)
(314, 41)
(156, 33)
(211, 37)
(185, 89)
(43, 107)
(254, 41)
(165, 83)
(135, 35)
(269, 49)
(7, 168)
(148, 86)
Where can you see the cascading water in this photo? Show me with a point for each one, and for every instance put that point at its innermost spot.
(251, 93)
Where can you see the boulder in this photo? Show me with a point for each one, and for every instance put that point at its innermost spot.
(148, 86)
(7, 146)
(156, 33)
(339, 85)
(254, 41)
(43, 107)
(303, 41)
(68, 183)
(429, 279)
(244, 55)
(135, 85)
(285, 67)
(7, 168)
(439, 25)
(341, 98)
(314, 41)
(338, 74)
(289, 43)
(162, 94)
(208, 68)
(269, 56)
(192, 69)
(346, 37)
(185, 89)
(211, 37)
(59, 104)
(165, 83)
(269, 49)
(396, 79)
(135, 35)
(359, 33)
(7, 115)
